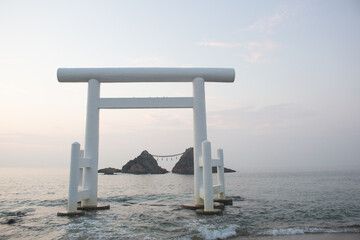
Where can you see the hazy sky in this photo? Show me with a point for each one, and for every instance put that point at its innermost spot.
(295, 103)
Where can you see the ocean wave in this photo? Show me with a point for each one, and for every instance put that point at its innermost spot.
(11, 217)
(43, 203)
(210, 232)
(236, 198)
(296, 231)
(183, 238)
(16, 213)
(139, 197)
(116, 199)
(300, 206)
(87, 228)
(52, 203)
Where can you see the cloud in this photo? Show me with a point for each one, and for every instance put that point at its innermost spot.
(151, 61)
(252, 57)
(142, 60)
(265, 120)
(252, 52)
(263, 125)
(220, 44)
(150, 117)
(257, 50)
(267, 24)
(169, 121)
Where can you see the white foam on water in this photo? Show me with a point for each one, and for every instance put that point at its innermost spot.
(212, 232)
(295, 231)
(183, 238)
(288, 231)
(88, 228)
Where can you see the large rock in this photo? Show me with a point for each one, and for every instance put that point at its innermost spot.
(185, 165)
(109, 171)
(143, 164)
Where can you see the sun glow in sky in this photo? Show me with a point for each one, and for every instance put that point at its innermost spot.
(295, 103)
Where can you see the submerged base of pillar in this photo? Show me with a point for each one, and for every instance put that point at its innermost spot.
(213, 212)
(226, 201)
(106, 207)
(192, 207)
(195, 207)
(70, 214)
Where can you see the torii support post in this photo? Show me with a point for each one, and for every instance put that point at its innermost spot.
(207, 189)
(220, 173)
(207, 176)
(74, 177)
(73, 182)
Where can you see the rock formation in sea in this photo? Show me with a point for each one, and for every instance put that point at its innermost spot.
(185, 165)
(109, 171)
(143, 164)
(226, 170)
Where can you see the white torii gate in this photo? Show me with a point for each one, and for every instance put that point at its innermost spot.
(84, 169)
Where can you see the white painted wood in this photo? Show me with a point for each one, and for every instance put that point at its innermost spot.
(207, 176)
(221, 174)
(92, 143)
(85, 162)
(145, 74)
(200, 134)
(81, 170)
(83, 195)
(201, 193)
(216, 162)
(217, 189)
(73, 182)
(128, 103)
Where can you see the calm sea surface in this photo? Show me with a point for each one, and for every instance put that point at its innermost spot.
(148, 206)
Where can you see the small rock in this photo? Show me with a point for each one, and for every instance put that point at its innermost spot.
(226, 170)
(11, 221)
(109, 171)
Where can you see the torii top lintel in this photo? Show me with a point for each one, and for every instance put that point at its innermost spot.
(145, 74)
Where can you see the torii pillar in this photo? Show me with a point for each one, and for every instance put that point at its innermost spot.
(200, 134)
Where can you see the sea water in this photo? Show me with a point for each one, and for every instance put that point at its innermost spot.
(148, 206)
